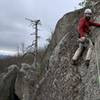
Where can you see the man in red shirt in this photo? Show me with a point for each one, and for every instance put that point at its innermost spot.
(84, 28)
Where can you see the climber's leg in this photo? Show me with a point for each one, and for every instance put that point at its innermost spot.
(77, 53)
(89, 52)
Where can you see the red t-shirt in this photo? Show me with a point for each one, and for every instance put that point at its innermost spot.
(84, 25)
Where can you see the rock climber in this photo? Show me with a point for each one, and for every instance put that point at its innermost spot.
(84, 36)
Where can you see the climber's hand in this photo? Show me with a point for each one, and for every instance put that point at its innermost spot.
(82, 39)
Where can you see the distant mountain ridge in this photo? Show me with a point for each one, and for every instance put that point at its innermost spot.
(5, 56)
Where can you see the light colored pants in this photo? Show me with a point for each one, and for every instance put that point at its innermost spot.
(87, 43)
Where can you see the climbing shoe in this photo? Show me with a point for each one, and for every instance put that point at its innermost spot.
(87, 63)
(74, 62)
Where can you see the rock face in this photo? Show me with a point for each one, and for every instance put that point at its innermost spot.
(62, 27)
(18, 84)
(25, 85)
(7, 84)
(63, 80)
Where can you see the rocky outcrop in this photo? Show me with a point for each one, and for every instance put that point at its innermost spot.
(26, 81)
(7, 84)
(66, 24)
(62, 81)
(19, 84)
(65, 81)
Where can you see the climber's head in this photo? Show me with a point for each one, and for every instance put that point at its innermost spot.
(88, 13)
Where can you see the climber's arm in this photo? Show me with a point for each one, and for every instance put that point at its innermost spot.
(94, 24)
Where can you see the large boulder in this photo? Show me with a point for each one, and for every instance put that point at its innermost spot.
(7, 84)
(26, 82)
(64, 81)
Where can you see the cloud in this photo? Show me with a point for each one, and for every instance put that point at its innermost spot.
(14, 29)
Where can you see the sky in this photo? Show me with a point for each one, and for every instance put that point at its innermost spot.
(15, 29)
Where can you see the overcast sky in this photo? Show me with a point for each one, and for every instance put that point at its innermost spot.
(15, 30)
